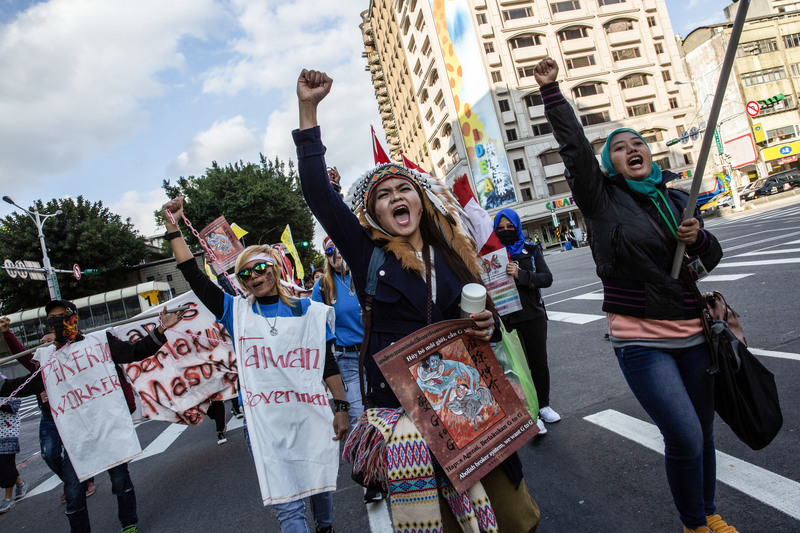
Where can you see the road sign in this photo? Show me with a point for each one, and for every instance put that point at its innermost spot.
(673, 141)
(719, 141)
(694, 133)
(555, 220)
(8, 265)
(753, 108)
(76, 271)
(684, 137)
(35, 270)
(21, 270)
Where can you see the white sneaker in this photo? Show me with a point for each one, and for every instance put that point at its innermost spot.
(540, 425)
(548, 415)
(6, 506)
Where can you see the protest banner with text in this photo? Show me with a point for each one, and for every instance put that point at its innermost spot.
(455, 392)
(501, 286)
(88, 405)
(285, 403)
(195, 366)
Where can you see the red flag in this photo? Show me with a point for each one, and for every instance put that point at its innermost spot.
(410, 164)
(377, 150)
(482, 228)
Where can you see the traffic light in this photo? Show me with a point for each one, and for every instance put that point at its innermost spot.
(673, 141)
(771, 101)
(303, 243)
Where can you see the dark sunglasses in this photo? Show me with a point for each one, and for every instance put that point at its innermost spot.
(259, 268)
(329, 251)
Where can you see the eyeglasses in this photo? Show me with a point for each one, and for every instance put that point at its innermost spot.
(259, 268)
(329, 251)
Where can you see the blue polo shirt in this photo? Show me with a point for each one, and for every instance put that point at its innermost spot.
(349, 325)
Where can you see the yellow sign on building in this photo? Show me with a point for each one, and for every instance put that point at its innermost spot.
(776, 152)
(758, 133)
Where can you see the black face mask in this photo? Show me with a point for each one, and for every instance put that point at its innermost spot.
(507, 236)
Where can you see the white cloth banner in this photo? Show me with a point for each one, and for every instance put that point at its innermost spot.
(286, 407)
(88, 405)
(195, 365)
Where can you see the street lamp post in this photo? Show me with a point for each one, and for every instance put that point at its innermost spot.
(38, 220)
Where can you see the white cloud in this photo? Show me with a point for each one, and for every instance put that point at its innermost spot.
(226, 141)
(140, 208)
(75, 73)
(279, 39)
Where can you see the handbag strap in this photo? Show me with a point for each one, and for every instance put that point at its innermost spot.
(375, 262)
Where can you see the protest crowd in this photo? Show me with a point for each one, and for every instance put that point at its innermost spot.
(389, 361)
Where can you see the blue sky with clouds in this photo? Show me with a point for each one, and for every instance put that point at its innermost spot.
(107, 98)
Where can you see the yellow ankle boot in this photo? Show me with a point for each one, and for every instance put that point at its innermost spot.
(717, 525)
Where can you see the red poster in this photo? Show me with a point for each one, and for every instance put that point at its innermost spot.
(455, 392)
(223, 242)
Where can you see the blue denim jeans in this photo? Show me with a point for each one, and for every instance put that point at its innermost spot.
(50, 443)
(292, 515)
(676, 392)
(348, 368)
(121, 487)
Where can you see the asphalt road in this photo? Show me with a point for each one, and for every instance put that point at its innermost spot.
(598, 470)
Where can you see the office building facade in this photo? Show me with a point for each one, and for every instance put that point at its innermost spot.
(467, 68)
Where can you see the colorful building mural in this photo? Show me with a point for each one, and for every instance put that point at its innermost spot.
(476, 114)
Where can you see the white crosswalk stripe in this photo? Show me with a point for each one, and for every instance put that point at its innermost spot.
(768, 252)
(29, 408)
(573, 318)
(589, 296)
(755, 217)
(724, 277)
(772, 489)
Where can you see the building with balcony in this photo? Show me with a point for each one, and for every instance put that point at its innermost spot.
(479, 108)
(397, 100)
(767, 65)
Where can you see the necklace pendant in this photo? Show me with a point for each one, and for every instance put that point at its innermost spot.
(273, 331)
(352, 292)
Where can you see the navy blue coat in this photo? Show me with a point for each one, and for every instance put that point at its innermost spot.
(400, 296)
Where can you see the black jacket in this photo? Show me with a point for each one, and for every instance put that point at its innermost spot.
(633, 260)
(533, 275)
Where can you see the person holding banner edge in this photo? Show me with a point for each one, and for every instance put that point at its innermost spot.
(653, 320)
(62, 318)
(427, 259)
(266, 308)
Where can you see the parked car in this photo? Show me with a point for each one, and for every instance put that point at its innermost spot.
(780, 182)
(720, 200)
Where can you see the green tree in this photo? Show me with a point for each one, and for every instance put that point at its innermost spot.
(261, 198)
(85, 233)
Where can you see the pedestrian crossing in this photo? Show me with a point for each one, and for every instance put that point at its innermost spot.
(777, 491)
(29, 408)
(755, 218)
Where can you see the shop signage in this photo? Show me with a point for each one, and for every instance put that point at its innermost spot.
(563, 202)
(776, 152)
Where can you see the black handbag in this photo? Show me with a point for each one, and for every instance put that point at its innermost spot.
(745, 394)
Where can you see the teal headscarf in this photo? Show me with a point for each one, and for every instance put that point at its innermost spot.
(645, 187)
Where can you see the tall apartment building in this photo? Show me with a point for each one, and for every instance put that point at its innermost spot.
(397, 101)
(459, 76)
(767, 65)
